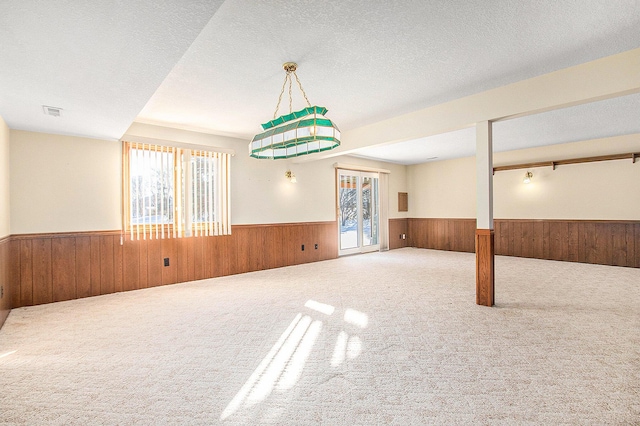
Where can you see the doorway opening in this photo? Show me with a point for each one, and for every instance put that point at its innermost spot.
(358, 212)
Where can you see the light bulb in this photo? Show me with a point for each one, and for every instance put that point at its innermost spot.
(527, 177)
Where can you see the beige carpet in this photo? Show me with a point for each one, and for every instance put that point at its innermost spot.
(383, 338)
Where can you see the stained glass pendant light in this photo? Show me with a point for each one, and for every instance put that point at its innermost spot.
(297, 133)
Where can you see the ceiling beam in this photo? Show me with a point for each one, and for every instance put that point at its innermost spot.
(605, 78)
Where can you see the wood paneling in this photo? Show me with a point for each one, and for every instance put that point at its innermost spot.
(637, 246)
(573, 250)
(63, 257)
(527, 240)
(83, 266)
(94, 265)
(485, 267)
(13, 281)
(604, 244)
(182, 253)
(26, 273)
(538, 240)
(143, 263)
(601, 242)
(50, 267)
(118, 264)
(442, 234)
(169, 250)
(42, 271)
(107, 270)
(398, 227)
(53, 267)
(198, 258)
(154, 262)
(131, 265)
(5, 277)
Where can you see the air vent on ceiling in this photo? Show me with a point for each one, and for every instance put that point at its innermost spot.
(430, 158)
(54, 111)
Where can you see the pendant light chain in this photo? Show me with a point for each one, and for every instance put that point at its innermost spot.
(290, 97)
(275, 113)
(301, 89)
(290, 69)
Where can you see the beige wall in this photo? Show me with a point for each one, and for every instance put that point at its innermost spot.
(63, 183)
(66, 184)
(443, 189)
(599, 191)
(259, 191)
(5, 221)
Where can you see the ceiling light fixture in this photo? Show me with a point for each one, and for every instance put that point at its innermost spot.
(289, 175)
(527, 177)
(297, 133)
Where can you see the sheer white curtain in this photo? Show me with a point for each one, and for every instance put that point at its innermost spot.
(383, 182)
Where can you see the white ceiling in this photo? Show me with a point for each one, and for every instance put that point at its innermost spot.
(100, 61)
(612, 117)
(216, 66)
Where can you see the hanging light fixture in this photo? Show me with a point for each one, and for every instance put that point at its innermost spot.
(527, 177)
(297, 133)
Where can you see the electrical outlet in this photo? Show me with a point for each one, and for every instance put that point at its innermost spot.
(1, 291)
(303, 247)
(166, 261)
(316, 247)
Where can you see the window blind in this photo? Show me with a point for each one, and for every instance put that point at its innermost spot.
(175, 192)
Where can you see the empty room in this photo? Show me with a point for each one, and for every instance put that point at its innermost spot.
(319, 213)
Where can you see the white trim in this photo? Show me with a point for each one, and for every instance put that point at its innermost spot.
(359, 168)
(360, 247)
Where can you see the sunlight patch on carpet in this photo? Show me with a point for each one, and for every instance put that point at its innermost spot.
(282, 367)
(320, 307)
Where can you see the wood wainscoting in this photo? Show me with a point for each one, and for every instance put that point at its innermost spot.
(48, 268)
(615, 243)
(443, 234)
(398, 228)
(5, 279)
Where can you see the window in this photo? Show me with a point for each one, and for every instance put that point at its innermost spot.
(174, 192)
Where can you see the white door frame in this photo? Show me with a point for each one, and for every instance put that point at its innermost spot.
(360, 248)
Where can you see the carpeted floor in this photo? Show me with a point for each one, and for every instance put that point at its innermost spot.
(382, 338)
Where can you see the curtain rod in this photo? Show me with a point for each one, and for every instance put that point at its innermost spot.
(627, 156)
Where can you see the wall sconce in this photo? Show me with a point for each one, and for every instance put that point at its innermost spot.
(289, 175)
(527, 177)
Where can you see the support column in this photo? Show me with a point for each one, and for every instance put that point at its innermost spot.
(484, 213)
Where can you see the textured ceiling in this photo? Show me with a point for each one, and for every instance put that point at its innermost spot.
(216, 66)
(100, 61)
(612, 117)
(370, 60)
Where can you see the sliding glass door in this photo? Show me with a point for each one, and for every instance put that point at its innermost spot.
(358, 212)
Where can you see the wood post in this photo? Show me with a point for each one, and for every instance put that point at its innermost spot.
(484, 211)
(485, 277)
